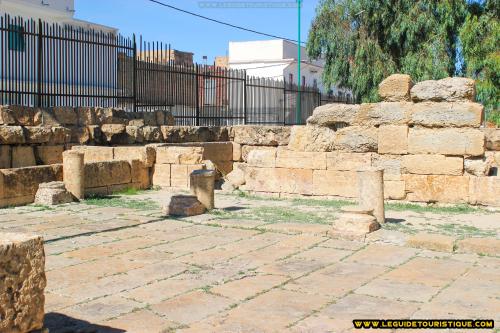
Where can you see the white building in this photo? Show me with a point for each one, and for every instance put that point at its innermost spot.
(276, 59)
(50, 11)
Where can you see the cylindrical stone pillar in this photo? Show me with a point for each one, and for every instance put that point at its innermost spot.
(74, 173)
(202, 183)
(371, 191)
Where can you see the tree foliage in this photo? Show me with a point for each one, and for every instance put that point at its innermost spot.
(480, 38)
(364, 41)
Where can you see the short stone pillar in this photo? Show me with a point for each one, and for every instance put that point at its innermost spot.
(22, 283)
(202, 183)
(371, 191)
(52, 193)
(74, 173)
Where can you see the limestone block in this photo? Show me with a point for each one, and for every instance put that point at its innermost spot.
(390, 163)
(425, 164)
(336, 183)
(179, 176)
(492, 138)
(169, 118)
(86, 116)
(161, 175)
(357, 139)
(296, 181)
(350, 225)
(114, 133)
(263, 158)
(146, 154)
(23, 156)
(478, 166)
(74, 173)
(140, 174)
(333, 114)
(393, 139)
(65, 115)
(53, 193)
(20, 115)
(344, 161)
(107, 173)
(300, 160)
(80, 135)
(182, 134)
(394, 189)
(23, 182)
(236, 178)
(447, 141)
(22, 267)
(160, 117)
(261, 135)
(451, 89)
(484, 191)
(95, 153)
(179, 155)
(37, 134)
(134, 134)
(49, 154)
(110, 116)
(152, 134)
(5, 157)
(11, 135)
(384, 113)
(395, 87)
(484, 245)
(461, 114)
(183, 205)
(237, 156)
(245, 150)
(437, 188)
(136, 122)
(312, 138)
(223, 167)
(60, 135)
(433, 242)
(215, 151)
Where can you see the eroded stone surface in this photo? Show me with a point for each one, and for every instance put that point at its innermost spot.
(451, 89)
(183, 205)
(22, 261)
(395, 88)
(53, 193)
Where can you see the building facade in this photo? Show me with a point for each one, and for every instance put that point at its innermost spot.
(278, 59)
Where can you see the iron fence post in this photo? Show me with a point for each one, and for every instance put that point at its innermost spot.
(245, 98)
(284, 102)
(39, 65)
(134, 69)
(197, 88)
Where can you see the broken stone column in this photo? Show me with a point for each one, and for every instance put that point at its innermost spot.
(202, 183)
(74, 173)
(22, 282)
(354, 222)
(52, 193)
(183, 205)
(371, 191)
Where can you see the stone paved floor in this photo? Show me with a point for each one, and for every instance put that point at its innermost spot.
(257, 265)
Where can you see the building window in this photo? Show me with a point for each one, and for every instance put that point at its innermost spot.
(303, 80)
(16, 38)
(290, 78)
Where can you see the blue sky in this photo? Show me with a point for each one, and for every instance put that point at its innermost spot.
(188, 33)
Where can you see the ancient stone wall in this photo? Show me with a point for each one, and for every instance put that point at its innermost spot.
(427, 137)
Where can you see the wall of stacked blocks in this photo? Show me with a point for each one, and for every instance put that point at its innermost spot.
(428, 137)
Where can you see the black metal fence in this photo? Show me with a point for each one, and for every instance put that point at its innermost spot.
(48, 65)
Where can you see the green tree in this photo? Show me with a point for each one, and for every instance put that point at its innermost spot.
(364, 41)
(480, 38)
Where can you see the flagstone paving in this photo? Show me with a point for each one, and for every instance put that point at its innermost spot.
(253, 265)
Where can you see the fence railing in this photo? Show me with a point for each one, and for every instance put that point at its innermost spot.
(49, 65)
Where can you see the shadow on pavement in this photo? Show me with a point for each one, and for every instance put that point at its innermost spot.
(60, 323)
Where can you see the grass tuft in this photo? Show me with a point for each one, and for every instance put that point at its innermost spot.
(115, 201)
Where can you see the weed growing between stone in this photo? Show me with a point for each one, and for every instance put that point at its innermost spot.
(115, 201)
